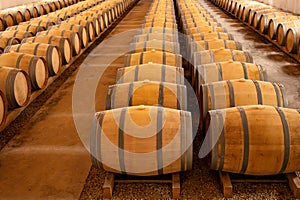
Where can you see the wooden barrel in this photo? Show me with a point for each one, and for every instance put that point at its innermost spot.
(49, 52)
(34, 66)
(81, 30)
(8, 19)
(220, 55)
(63, 44)
(164, 137)
(16, 14)
(96, 18)
(203, 45)
(26, 12)
(158, 30)
(158, 45)
(151, 72)
(88, 24)
(210, 36)
(54, 19)
(242, 148)
(273, 24)
(292, 40)
(63, 3)
(71, 35)
(52, 6)
(257, 15)
(4, 42)
(160, 25)
(253, 13)
(33, 10)
(160, 19)
(19, 35)
(58, 5)
(149, 93)
(244, 11)
(200, 23)
(265, 20)
(15, 84)
(2, 24)
(28, 28)
(240, 92)
(158, 57)
(228, 70)
(41, 23)
(155, 36)
(283, 28)
(3, 109)
(205, 29)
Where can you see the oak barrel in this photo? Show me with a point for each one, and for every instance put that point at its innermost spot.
(63, 44)
(3, 109)
(156, 36)
(150, 93)
(220, 55)
(292, 40)
(81, 30)
(205, 29)
(27, 27)
(211, 35)
(273, 24)
(283, 28)
(88, 24)
(158, 30)
(255, 140)
(4, 42)
(152, 72)
(34, 66)
(158, 57)
(213, 44)
(7, 19)
(142, 140)
(49, 52)
(159, 45)
(71, 35)
(240, 92)
(265, 20)
(228, 70)
(15, 85)
(19, 35)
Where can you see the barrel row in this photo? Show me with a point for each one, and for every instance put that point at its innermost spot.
(278, 25)
(27, 66)
(235, 111)
(150, 85)
(32, 27)
(18, 14)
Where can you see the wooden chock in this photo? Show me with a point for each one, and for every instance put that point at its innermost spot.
(226, 184)
(176, 185)
(108, 185)
(294, 183)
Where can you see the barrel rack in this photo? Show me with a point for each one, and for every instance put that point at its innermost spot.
(296, 57)
(13, 114)
(226, 182)
(110, 180)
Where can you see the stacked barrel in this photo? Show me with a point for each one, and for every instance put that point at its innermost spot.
(18, 14)
(277, 25)
(146, 129)
(249, 130)
(32, 54)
